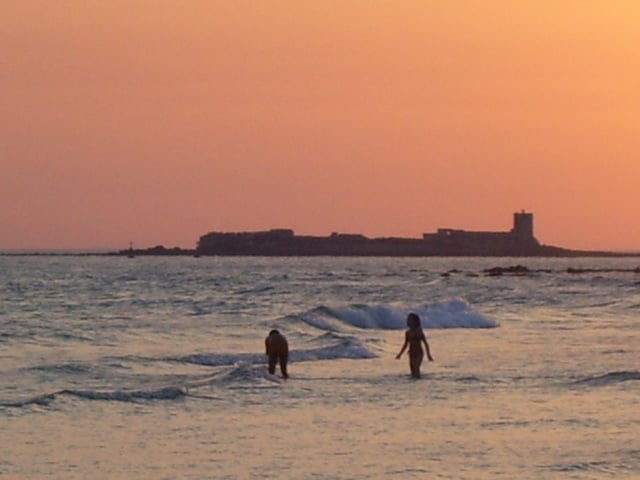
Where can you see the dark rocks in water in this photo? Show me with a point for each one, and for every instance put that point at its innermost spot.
(158, 250)
(577, 271)
(515, 270)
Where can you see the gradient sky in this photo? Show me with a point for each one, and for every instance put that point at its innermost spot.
(157, 121)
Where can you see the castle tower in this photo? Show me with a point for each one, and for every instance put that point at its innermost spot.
(523, 224)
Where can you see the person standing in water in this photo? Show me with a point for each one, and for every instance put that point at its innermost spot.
(414, 337)
(277, 349)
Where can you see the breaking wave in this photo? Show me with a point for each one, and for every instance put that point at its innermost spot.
(350, 348)
(450, 314)
(243, 369)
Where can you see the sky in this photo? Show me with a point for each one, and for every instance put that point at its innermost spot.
(155, 122)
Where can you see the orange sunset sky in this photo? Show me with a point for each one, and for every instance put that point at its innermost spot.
(157, 121)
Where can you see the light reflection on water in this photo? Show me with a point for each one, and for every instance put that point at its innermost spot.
(551, 392)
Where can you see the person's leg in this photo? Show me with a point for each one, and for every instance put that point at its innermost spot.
(412, 365)
(415, 360)
(272, 364)
(283, 365)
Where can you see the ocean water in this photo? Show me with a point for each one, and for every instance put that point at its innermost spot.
(153, 368)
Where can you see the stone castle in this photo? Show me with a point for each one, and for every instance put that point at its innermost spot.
(519, 241)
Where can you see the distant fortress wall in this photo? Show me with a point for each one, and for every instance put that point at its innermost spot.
(518, 241)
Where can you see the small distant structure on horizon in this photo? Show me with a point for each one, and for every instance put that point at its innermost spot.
(519, 241)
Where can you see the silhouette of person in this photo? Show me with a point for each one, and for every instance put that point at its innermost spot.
(277, 349)
(414, 337)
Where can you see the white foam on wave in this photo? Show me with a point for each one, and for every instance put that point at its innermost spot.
(347, 348)
(455, 313)
(340, 348)
(245, 372)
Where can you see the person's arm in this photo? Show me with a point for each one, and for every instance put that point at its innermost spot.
(404, 347)
(266, 346)
(426, 345)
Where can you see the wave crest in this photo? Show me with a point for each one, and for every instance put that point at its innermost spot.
(455, 313)
(610, 378)
(166, 393)
(350, 348)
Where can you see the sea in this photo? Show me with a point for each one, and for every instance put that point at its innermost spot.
(153, 368)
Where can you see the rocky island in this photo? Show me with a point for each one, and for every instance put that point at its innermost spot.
(518, 242)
